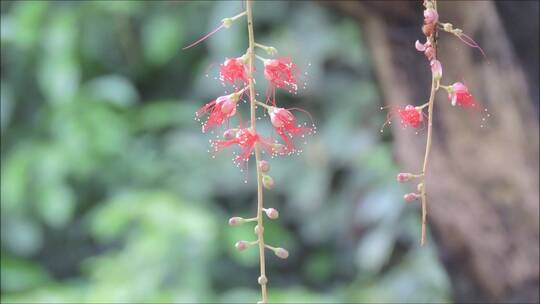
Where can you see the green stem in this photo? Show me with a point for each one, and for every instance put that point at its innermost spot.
(253, 108)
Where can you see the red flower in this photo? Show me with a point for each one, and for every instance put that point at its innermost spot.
(410, 116)
(459, 94)
(219, 110)
(281, 73)
(286, 126)
(233, 69)
(246, 139)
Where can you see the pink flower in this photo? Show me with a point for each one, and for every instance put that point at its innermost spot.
(410, 116)
(246, 139)
(430, 16)
(459, 94)
(219, 110)
(281, 73)
(426, 48)
(286, 125)
(233, 69)
(436, 68)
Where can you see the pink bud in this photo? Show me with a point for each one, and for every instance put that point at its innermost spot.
(268, 182)
(281, 253)
(228, 107)
(229, 134)
(429, 52)
(436, 68)
(264, 166)
(241, 245)
(271, 213)
(411, 197)
(431, 16)
(403, 177)
(459, 87)
(419, 46)
(280, 117)
(233, 221)
(262, 280)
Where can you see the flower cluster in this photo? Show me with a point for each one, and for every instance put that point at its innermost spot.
(280, 73)
(413, 116)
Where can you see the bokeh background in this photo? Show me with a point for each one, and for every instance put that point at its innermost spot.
(109, 194)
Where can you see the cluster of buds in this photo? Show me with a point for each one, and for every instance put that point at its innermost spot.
(280, 73)
(271, 213)
(413, 116)
(407, 177)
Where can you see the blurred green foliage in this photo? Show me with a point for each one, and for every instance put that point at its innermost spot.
(108, 193)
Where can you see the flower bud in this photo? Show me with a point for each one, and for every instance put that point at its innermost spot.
(268, 182)
(229, 134)
(258, 230)
(420, 187)
(241, 245)
(419, 46)
(281, 253)
(436, 69)
(404, 177)
(271, 213)
(234, 221)
(411, 197)
(430, 16)
(264, 166)
(429, 52)
(428, 29)
(280, 117)
(262, 280)
(228, 107)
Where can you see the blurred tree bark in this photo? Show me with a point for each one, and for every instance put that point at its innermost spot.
(483, 197)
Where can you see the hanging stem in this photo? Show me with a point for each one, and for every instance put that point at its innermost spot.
(253, 108)
(434, 87)
(426, 157)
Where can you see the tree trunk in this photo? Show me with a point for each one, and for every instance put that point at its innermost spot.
(482, 183)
